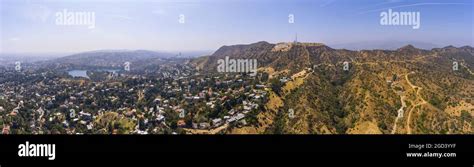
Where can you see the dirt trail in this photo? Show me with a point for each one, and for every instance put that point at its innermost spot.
(423, 102)
(469, 70)
(210, 131)
(400, 114)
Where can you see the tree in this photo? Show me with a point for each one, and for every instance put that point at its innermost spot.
(465, 116)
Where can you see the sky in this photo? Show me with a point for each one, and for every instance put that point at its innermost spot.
(30, 26)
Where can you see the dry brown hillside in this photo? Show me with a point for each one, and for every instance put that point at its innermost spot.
(404, 91)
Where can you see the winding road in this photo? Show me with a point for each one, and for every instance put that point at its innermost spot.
(400, 114)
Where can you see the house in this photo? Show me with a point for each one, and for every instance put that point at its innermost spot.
(6, 129)
(14, 112)
(204, 125)
(216, 122)
(232, 112)
(202, 95)
(284, 79)
(235, 118)
(195, 125)
(85, 116)
(65, 123)
(243, 122)
(181, 123)
(89, 126)
(160, 118)
(246, 107)
(141, 132)
(224, 98)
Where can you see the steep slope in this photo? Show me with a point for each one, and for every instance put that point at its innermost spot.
(368, 96)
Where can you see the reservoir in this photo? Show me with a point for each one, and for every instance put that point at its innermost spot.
(78, 73)
(83, 73)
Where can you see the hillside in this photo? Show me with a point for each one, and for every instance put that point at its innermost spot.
(403, 91)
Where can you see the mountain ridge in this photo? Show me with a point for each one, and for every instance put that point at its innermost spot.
(365, 97)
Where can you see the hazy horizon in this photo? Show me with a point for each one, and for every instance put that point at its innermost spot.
(389, 45)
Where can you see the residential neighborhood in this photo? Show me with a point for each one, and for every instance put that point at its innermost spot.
(50, 102)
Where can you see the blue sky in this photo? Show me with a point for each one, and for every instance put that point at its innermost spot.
(29, 25)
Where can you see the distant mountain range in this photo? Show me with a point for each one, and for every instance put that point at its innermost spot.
(110, 57)
(11, 58)
(95, 58)
(386, 45)
(116, 58)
